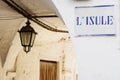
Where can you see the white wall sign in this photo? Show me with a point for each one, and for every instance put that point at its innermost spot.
(95, 20)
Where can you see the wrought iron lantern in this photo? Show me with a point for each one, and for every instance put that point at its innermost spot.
(27, 36)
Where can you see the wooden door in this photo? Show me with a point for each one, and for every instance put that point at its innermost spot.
(48, 70)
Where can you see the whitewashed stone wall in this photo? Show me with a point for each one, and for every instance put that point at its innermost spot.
(98, 58)
(22, 66)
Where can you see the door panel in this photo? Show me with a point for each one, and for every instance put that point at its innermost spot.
(48, 70)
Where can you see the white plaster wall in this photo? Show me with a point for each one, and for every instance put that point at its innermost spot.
(98, 58)
(28, 65)
(70, 63)
(24, 66)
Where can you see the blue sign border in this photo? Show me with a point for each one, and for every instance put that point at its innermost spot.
(95, 7)
(96, 35)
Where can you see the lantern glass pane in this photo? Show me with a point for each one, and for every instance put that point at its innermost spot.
(33, 38)
(25, 38)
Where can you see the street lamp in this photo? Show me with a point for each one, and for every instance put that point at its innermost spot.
(27, 36)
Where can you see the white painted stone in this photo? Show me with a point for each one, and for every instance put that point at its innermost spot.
(97, 57)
